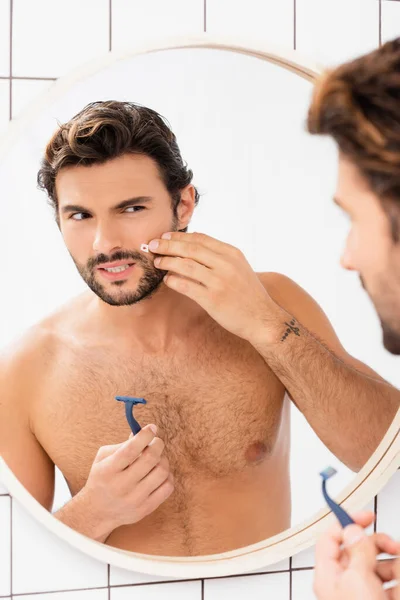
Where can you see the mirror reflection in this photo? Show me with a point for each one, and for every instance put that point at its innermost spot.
(237, 335)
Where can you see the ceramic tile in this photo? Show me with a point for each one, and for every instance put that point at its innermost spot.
(388, 520)
(133, 22)
(5, 546)
(51, 37)
(302, 585)
(390, 20)
(273, 586)
(101, 594)
(5, 37)
(4, 120)
(25, 92)
(333, 31)
(269, 21)
(190, 590)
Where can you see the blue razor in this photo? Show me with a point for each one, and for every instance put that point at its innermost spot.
(129, 404)
(342, 516)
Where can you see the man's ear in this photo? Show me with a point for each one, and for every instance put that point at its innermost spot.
(186, 206)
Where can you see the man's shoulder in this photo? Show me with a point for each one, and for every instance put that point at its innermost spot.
(277, 282)
(29, 354)
(289, 294)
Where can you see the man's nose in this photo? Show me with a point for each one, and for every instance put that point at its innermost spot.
(346, 261)
(106, 240)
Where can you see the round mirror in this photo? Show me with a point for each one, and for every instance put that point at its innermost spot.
(244, 457)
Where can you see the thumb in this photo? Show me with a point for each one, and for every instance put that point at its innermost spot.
(360, 548)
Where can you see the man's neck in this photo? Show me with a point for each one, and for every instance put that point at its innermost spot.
(153, 323)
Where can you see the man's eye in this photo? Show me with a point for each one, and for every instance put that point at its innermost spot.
(79, 216)
(134, 209)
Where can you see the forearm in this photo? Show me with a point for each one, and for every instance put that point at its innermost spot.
(80, 514)
(349, 410)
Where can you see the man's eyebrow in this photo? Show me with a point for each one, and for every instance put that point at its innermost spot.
(133, 202)
(72, 208)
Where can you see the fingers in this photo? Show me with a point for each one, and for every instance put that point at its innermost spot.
(384, 543)
(130, 450)
(155, 478)
(328, 551)
(143, 465)
(159, 495)
(360, 549)
(386, 569)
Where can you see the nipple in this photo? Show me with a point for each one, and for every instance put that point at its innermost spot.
(256, 452)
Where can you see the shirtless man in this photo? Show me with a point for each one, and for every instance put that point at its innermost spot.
(212, 347)
(357, 105)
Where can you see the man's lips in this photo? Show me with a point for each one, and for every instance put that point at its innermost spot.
(118, 263)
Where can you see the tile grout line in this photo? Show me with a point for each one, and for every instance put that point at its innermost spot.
(290, 570)
(376, 513)
(205, 16)
(10, 57)
(202, 589)
(108, 582)
(60, 591)
(294, 24)
(109, 25)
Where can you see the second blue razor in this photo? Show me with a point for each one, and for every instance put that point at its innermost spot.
(342, 516)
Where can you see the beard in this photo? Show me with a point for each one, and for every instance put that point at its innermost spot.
(391, 338)
(148, 284)
(390, 332)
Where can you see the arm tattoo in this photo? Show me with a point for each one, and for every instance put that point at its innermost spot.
(290, 329)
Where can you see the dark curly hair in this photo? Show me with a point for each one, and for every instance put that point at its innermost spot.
(106, 130)
(358, 105)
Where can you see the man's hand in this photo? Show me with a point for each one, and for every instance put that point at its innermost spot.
(128, 481)
(217, 276)
(346, 565)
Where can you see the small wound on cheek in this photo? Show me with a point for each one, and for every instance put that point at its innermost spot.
(144, 247)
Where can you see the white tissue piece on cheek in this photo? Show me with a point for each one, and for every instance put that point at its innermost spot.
(144, 247)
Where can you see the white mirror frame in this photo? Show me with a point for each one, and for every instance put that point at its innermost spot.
(368, 481)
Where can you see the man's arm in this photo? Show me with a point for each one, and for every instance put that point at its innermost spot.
(20, 379)
(18, 445)
(348, 405)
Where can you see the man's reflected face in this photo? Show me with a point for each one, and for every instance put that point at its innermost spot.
(372, 248)
(106, 211)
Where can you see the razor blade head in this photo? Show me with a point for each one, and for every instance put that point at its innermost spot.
(144, 247)
(131, 400)
(328, 473)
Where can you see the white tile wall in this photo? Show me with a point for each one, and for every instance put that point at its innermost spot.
(136, 20)
(79, 595)
(4, 105)
(42, 563)
(302, 582)
(335, 30)
(389, 507)
(49, 38)
(190, 590)
(5, 546)
(257, 587)
(390, 20)
(5, 37)
(123, 577)
(26, 91)
(269, 20)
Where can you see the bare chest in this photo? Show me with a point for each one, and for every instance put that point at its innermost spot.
(217, 408)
